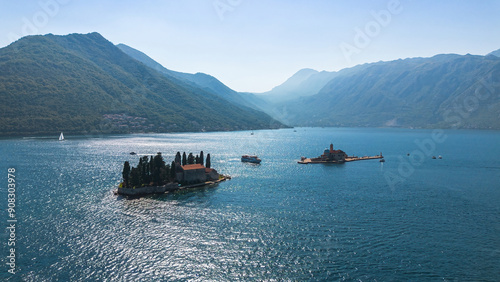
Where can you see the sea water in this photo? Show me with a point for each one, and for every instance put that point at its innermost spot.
(410, 218)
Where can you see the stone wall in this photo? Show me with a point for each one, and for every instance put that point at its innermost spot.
(148, 190)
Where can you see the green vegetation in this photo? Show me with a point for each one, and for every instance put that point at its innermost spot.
(199, 80)
(208, 163)
(443, 91)
(184, 159)
(190, 159)
(152, 171)
(83, 84)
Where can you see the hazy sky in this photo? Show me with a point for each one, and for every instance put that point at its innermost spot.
(254, 45)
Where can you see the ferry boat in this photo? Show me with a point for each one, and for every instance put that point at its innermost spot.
(250, 159)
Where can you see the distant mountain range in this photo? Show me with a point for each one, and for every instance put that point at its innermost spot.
(446, 91)
(200, 80)
(495, 53)
(305, 82)
(82, 83)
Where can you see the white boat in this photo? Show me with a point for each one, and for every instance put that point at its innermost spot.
(61, 137)
(250, 159)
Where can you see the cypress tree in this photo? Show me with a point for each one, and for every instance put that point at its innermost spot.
(151, 168)
(159, 164)
(190, 159)
(164, 174)
(208, 161)
(135, 177)
(147, 169)
(126, 174)
(201, 158)
(172, 171)
(144, 168)
(178, 157)
(184, 160)
(140, 167)
(197, 159)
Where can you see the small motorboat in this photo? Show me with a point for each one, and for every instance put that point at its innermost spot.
(133, 153)
(433, 157)
(440, 157)
(250, 159)
(382, 161)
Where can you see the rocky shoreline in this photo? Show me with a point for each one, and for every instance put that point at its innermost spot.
(167, 188)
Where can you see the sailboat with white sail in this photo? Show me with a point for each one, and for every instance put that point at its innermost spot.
(61, 137)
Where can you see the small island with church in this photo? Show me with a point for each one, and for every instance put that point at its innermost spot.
(153, 175)
(336, 157)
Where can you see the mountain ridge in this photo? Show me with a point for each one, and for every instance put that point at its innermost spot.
(305, 82)
(202, 80)
(414, 92)
(82, 83)
(495, 53)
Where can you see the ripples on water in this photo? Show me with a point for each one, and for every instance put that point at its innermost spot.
(278, 220)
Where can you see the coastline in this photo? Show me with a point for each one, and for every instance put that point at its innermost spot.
(80, 135)
(167, 188)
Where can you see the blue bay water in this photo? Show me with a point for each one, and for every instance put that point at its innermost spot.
(410, 218)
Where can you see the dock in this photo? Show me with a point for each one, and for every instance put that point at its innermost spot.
(331, 156)
(353, 159)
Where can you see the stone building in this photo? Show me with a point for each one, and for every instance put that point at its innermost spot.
(332, 155)
(195, 173)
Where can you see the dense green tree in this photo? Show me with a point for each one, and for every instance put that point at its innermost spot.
(172, 171)
(184, 159)
(159, 161)
(83, 84)
(135, 178)
(159, 164)
(139, 169)
(202, 159)
(154, 170)
(164, 175)
(151, 168)
(190, 159)
(144, 170)
(178, 157)
(126, 174)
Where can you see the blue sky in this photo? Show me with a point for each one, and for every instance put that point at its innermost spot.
(254, 45)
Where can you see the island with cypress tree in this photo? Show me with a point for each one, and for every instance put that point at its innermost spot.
(153, 175)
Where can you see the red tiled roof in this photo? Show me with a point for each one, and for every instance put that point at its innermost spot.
(193, 166)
